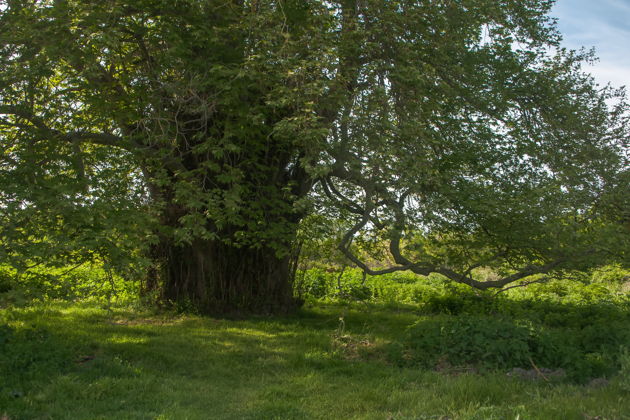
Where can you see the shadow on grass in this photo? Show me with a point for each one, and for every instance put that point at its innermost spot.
(72, 361)
(53, 358)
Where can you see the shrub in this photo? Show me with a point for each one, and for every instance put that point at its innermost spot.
(490, 342)
(610, 274)
(7, 276)
(481, 341)
(6, 333)
(316, 283)
(78, 283)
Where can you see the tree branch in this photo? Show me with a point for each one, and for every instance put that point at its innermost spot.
(140, 151)
(404, 263)
(102, 138)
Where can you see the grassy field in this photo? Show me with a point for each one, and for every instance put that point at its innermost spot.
(334, 360)
(82, 362)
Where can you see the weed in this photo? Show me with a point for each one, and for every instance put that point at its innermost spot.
(624, 370)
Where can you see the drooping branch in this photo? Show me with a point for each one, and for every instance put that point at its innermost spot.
(404, 263)
(334, 195)
(366, 217)
(522, 273)
(344, 247)
(523, 284)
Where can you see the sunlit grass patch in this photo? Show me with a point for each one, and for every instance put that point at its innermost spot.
(84, 362)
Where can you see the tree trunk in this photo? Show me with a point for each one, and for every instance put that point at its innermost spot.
(214, 278)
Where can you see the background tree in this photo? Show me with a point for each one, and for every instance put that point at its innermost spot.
(459, 130)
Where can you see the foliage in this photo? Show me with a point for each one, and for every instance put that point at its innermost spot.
(612, 274)
(471, 340)
(79, 283)
(574, 324)
(495, 343)
(437, 294)
(199, 134)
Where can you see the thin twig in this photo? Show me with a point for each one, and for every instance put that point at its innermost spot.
(538, 370)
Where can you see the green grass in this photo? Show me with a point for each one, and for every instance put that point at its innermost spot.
(78, 361)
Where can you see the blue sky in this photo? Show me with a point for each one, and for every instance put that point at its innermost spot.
(603, 24)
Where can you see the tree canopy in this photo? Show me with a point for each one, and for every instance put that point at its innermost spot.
(459, 131)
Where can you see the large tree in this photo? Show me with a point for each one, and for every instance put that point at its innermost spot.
(458, 130)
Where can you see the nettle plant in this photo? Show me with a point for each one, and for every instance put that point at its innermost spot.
(459, 131)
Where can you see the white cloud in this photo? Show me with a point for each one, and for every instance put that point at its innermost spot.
(602, 24)
(617, 75)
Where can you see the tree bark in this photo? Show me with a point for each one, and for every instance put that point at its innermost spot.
(212, 277)
(215, 276)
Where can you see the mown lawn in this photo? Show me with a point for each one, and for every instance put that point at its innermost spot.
(79, 361)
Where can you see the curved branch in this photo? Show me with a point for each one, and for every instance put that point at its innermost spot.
(526, 271)
(333, 194)
(344, 247)
(405, 264)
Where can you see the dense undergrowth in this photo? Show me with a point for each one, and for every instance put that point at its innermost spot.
(76, 344)
(578, 325)
(80, 283)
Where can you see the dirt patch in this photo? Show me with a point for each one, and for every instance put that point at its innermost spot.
(538, 374)
(356, 348)
(146, 321)
(443, 366)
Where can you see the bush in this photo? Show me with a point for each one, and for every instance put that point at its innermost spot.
(7, 276)
(79, 283)
(489, 342)
(316, 283)
(611, 274)
(578, 324)
(6, 333)
(479, 341)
